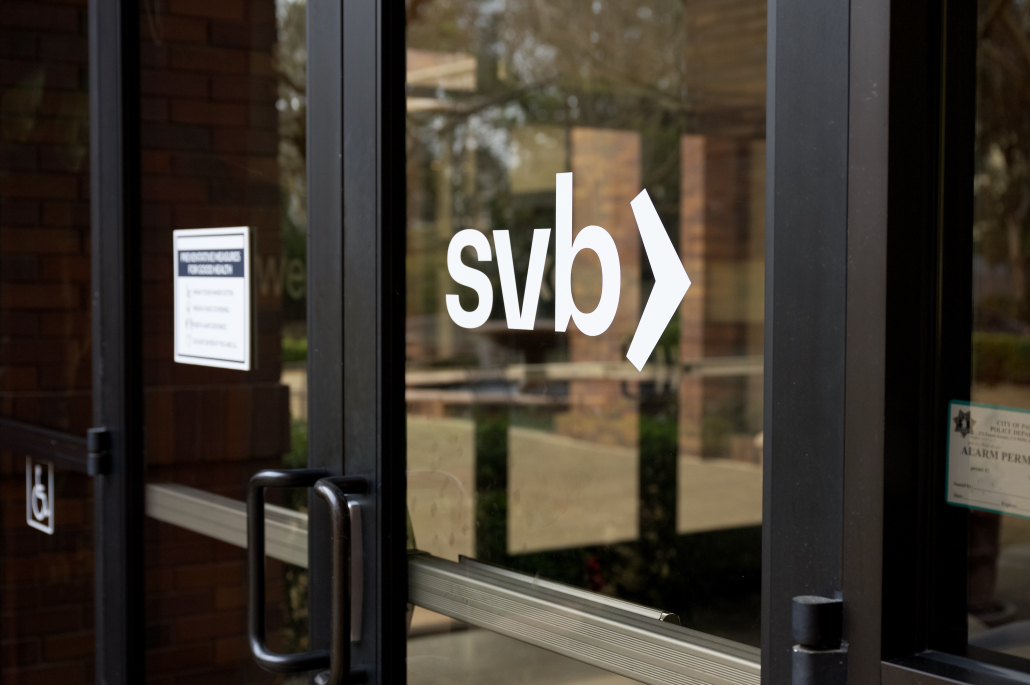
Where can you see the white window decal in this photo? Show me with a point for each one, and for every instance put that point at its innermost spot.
(521, 320)
(39, 495)
(671, 280)
(590, 238)
(466, 275)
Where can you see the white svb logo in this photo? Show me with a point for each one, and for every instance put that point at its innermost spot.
(671, 280)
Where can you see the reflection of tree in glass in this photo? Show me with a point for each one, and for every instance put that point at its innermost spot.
(490, 84)
(1001, 230)
(291, 68)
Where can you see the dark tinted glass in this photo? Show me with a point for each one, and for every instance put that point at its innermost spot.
(46, 580)
(223, 145)
(998, 595)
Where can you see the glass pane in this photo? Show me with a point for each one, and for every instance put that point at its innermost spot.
(534, 440)
(46, 581)
(223, 138)
(998, 595)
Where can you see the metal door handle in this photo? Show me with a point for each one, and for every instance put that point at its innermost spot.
(266, 658)
(334, 491)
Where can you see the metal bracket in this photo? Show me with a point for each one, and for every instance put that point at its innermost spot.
(98, 451)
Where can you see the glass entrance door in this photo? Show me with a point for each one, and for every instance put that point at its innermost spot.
(223, 149)
(546, 360)
(583, 437)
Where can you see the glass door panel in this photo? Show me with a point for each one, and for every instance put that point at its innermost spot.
(223, 145)
(46, 552)
(998, 594)
(571, 415)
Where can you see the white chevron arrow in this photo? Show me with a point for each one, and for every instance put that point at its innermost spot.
(670, 281)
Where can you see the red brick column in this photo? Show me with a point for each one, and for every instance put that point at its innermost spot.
(606, 176)
(722, 247)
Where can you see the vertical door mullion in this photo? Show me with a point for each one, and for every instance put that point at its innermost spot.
(866, 344)
(356, 306)
(805, 317)
(117, 379)
(361, 304)
(325, 293)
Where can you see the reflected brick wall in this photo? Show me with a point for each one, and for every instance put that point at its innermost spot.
(722, 244)
(45, 357)
(210, 144)
(46, 582)
(605, 165)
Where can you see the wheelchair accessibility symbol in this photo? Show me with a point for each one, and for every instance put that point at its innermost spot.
(39, 495)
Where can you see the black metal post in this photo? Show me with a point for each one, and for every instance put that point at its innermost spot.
(869, 101)
(325, 293)
(805, 314)
(117, 355)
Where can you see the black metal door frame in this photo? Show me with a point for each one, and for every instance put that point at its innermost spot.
(117, 355)
(869, 204)
(356, 305)
(825, 354)
(356, 353)
(866, 204)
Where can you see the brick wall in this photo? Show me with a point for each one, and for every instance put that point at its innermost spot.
(722, 245)
(45, 357)
(210, 143)
(605, 167)
(210, 146)
(46, 582)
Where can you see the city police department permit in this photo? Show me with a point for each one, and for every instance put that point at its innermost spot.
(989, 458)
(213, 316)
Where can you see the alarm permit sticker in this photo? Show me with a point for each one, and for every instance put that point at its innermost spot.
(989, 458)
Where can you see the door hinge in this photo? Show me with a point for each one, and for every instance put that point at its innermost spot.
(98, 448)
(820, 656)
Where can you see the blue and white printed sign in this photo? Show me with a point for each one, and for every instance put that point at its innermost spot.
(213, 317)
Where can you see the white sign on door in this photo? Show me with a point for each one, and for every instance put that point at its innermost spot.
(213, 316)
(989, 458)
(39, 495)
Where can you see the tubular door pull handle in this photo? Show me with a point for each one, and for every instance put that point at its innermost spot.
(266, 658)
(334, 491)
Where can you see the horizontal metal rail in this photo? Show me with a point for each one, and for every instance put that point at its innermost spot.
(225, 519)
(639, 609)
(592, 631)
(65, 450)
(635, 641)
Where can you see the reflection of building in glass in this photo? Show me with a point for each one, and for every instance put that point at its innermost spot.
(999, 545)
(722, 244)
(221, 107)
(584, 469)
